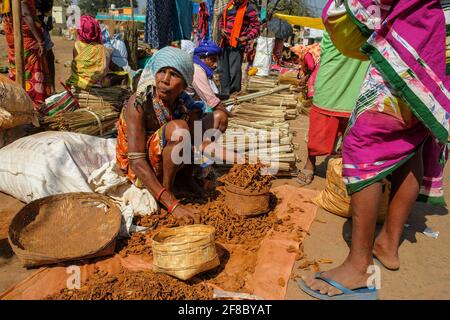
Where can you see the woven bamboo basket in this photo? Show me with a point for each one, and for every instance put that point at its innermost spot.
(247, 203)
(185, 251)
(66, 227)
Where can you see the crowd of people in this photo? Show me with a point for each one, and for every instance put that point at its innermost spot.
(379, 97)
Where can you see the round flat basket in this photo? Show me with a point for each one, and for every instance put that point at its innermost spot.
(65, 227)
(185, 251)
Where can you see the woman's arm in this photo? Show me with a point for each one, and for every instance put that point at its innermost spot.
(28, 19)
(309, 62)
(136, 135)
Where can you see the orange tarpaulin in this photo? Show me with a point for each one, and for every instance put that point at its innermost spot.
(314, 23)
(274, 261)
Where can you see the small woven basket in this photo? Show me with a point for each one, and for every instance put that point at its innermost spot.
(185, 251)
(65, 227)
(247, 203)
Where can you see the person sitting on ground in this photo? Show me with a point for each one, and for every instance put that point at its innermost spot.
(206, 56)
(91, 59)
(152, 128)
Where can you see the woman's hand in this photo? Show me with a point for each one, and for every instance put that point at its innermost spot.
(184, 213)
(41, 48)
(221, 118)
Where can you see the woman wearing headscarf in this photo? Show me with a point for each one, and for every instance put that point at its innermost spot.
(398, 129)
(309, 57)
(206, 56)
(152, 128)
(91, 59)
(34, 47)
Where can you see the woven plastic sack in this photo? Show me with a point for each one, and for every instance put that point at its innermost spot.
(335, 199)
(16, 107)
(263, 57)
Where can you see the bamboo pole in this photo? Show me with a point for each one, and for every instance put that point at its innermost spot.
(18, 42)
(256, 95)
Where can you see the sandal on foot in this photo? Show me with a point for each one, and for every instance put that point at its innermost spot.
(347, 294)
(308, 177)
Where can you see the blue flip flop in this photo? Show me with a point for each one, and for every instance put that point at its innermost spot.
(347, 294)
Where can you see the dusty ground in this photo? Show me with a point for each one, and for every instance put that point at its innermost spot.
(424, 273)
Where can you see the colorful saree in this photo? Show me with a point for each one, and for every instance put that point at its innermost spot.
(90, 66)
(404, 105)
(34, 64)
(156, 141)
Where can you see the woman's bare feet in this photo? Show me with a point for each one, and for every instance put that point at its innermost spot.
(386, 253)
(347, 275)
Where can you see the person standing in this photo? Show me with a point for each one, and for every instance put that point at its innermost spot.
(329, 114)
(34, 46)
(44, 12)
(398, 130)
(238, 25)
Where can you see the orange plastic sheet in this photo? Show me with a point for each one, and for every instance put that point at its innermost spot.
(273, 262)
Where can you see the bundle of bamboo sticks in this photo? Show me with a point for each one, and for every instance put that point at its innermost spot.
(100, 98)
(256, 83)
(95, 122)
(255, 95)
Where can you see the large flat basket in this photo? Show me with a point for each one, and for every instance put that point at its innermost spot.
(65, 227)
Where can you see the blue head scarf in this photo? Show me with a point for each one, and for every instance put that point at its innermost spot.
(167, 57)
(206, 48)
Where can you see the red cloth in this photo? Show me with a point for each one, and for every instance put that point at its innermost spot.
(89, 30)
(325, 127)
(203, 17)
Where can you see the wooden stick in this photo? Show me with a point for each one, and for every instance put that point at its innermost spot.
(256, 95)
(18, 42)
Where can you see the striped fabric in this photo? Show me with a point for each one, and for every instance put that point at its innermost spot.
(250, 27)
(59, 103)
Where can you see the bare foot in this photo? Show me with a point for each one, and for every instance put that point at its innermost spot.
(386, 255)
(346, 275)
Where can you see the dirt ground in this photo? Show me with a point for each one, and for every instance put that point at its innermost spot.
(424, 272)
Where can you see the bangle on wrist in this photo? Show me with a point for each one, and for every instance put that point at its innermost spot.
(160, 193)
(173, 206)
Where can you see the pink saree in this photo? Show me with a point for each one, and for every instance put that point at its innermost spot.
(404, 101)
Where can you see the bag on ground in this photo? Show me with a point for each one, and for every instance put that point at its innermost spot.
(263, 57)
(16, 107)
(335, 199)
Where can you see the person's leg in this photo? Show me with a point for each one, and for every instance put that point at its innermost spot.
(224, 67)
(173, 138)
(236, 56)
(322, 134)
(51, 69)
(406, 183)
(352, 273)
